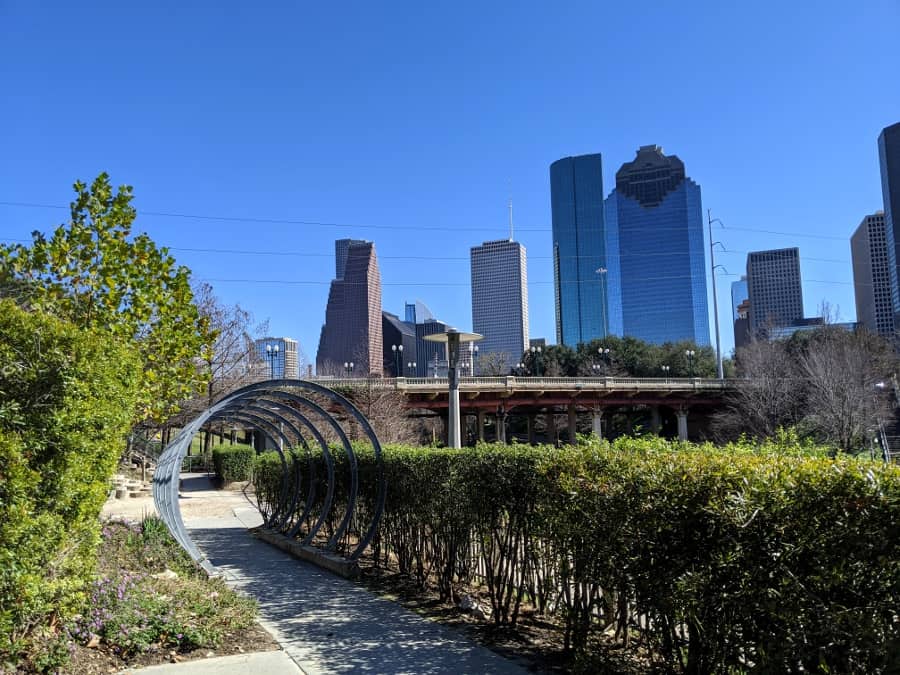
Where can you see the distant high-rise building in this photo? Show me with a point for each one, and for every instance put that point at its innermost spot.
(431, 357)
(889, 159)
(399, 345)
(580, 264)
(739, 293)
(871, 275)
(278, 355)
(657, 271)
(742, 335)
(500, 299)
(776, 297)
(352, 329)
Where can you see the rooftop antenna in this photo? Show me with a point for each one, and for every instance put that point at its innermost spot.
(510, 216)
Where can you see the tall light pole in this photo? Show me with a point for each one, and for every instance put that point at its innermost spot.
(535, 353)
(665, 370)
(271, 356)
(411, 367)
(348, 367)
(604, 303)
(690, 353)
(453, 338)
(474, 357)
(712, 263)
(398, 357)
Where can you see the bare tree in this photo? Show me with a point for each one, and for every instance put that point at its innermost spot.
(767, 394)
(842, 370)
(494, 364)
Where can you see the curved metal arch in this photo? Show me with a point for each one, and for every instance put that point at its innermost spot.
(165, 481)
(326, 451)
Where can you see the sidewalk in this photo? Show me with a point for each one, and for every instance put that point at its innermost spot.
(324, 623)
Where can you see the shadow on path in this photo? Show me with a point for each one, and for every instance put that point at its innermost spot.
(330, 625)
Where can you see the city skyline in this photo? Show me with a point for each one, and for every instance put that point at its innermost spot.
(256, 137)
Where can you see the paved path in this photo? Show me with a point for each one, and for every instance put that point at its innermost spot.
(327, 624)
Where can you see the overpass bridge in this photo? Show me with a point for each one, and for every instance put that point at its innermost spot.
(493, 400)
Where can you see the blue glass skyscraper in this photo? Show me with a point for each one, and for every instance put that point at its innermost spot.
(889, 160)
(580, 267)
(655, 220)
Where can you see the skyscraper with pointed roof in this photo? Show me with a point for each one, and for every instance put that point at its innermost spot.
(352, 330)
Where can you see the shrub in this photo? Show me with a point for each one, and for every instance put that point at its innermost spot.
(233, 462)
(66, 399)
(725, 559)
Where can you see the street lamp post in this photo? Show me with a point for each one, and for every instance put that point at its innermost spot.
(604, 305)
(474, 357)
(271, 356)
(535, 353)
(411, 367)
(453, 338)
(398, 358)
(690, 353)
(520, 368)
(604, 354)
(665, 370)
(348, 366)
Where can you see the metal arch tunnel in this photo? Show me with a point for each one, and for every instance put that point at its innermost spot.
(282, 411)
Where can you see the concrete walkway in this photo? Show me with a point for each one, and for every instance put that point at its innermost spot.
(324, 623)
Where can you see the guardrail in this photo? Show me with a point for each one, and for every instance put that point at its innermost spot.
(528, 383)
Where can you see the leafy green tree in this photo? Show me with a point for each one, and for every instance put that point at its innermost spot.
(95, 274)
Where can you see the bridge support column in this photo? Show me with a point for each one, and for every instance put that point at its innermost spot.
(550, 426)
(597, 422)
(480, 424)
(655, 421)
(573, 429)
(501, 425)
(531, 418)
(682, 424)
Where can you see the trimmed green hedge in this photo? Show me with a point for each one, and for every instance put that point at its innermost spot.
(735, 558)
(67, 398)
(233, 463)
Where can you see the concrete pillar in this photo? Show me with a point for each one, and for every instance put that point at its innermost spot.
(551, 426)
(501, 426)
(597, 426)
(480, 424)
(531, 418)
(573, 428)
(655, 421)
(682, 424)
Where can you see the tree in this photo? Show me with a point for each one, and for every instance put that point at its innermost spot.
(842, 371)
(768, 393)
(95, 274)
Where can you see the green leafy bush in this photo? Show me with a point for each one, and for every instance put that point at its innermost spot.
(66, 399)
(723, 559)
(233, 462)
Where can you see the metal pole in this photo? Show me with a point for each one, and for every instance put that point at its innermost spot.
(712, 262)
(453, 434)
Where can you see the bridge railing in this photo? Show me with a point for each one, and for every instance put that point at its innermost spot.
(527, 383)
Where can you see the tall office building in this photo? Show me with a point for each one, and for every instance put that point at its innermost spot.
(500, 299)
(889, 159)
(580, 264)
(655, 220)
(739, 293)
(278, 355)
(399, 346)
(776, 297)
(352, 329)
(871, 275)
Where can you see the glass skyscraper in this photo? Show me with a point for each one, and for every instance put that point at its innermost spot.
(580, 268)
(889, 159)
(657, 270)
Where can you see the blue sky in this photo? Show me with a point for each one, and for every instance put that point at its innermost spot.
(411, 124)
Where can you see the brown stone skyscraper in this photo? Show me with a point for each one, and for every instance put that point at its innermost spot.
(352, 330)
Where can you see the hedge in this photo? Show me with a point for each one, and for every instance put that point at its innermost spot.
(735, 558)
(233, 463)
(66, 401)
